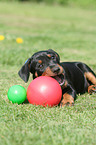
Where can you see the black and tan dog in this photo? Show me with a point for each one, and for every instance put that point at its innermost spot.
(73, 77)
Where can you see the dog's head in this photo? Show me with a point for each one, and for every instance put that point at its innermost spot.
(43, 63)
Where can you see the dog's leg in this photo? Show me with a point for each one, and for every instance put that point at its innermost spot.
(90, 77)
(68, 98)
(92, 82)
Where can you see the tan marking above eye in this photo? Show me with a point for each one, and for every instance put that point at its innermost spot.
(49, 55)
(40, 61)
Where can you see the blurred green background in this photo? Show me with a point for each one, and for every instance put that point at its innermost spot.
(81, 3)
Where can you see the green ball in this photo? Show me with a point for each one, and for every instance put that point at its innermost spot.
(17, 94)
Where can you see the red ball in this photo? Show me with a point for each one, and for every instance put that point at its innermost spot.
(44, 91)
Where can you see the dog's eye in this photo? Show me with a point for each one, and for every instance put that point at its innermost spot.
(53, 57)
(40, 66)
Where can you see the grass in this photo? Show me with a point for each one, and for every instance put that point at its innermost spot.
(72, 33)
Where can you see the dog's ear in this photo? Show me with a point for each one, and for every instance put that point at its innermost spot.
(56, 54)
(24, 72)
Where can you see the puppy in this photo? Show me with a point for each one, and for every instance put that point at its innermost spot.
(73, 77)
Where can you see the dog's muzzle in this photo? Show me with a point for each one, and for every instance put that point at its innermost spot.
(60, 79)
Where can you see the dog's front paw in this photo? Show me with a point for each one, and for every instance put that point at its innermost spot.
(67, 100)
(64, 103)
(92, 89)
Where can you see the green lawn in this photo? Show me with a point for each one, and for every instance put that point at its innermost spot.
(72, 33)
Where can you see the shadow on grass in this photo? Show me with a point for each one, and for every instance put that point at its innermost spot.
(26, 101)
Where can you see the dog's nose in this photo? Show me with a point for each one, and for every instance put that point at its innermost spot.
(56, 70)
